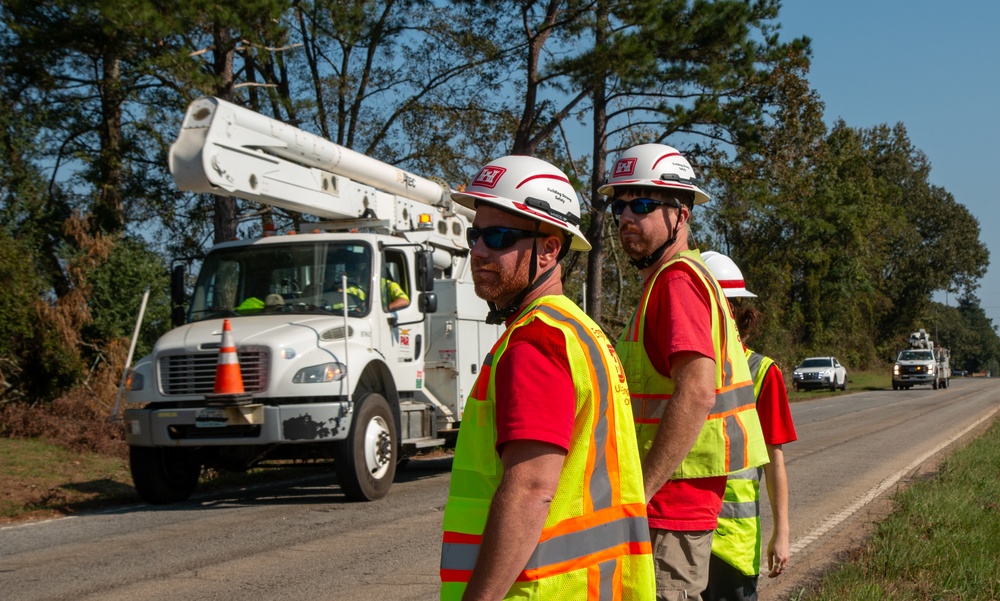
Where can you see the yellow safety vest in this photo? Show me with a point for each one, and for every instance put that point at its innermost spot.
(595, 543)
(731, 439)
(737, 539)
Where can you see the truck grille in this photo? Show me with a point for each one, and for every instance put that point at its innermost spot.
(195, 373)
(914, 369)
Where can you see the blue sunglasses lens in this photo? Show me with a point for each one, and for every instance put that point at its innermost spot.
(639, 206)
(498, 238)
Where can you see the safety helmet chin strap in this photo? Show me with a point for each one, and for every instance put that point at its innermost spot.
(499, 315)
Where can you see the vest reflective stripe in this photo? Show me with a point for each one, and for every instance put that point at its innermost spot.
(738, 535)
(561, 553)
(595, 542)
(731, 439)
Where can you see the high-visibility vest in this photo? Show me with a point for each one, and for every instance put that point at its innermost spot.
(737, 538)
(730, 439)
(595, 542)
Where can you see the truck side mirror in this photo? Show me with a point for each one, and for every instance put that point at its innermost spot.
(425, 270)
(177, 295)
(428, 302)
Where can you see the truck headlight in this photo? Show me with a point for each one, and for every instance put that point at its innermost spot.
(316, 374)
(895, 370)
(134, 381)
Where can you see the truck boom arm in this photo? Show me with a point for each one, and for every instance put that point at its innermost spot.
(225, 149)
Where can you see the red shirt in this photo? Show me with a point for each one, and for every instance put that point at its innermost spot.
(773, 410)
(678, 318)
(535, 394)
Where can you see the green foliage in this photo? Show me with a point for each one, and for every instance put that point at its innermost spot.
(34, 363)
(840, 234)
(117, 287)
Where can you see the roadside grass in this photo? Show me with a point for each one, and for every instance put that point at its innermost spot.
(856, 381)
(42, 479)
(942, 540)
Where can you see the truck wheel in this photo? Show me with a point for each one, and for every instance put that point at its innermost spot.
(844, 385)
(935, 385)
(164, 475)
(366, 459)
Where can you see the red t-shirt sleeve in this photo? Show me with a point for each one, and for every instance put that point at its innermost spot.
(678, 318)
(773, 409)
(535, 394)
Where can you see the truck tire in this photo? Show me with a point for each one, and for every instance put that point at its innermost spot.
(366, 459)
(844, 385)
(935, 385)
(164, 475)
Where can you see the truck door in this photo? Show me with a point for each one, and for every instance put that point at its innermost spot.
(406, 337)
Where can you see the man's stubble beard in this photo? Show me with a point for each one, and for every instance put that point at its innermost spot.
(497, 287)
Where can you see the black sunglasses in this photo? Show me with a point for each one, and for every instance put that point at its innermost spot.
(640, 206)
(497, 238)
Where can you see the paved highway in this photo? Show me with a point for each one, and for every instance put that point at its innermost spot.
(303, 541)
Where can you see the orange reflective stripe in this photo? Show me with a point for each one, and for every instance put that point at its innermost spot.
(603, 516)
(620, 551)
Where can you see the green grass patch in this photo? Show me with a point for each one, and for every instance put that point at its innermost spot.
(42, 479)
(856, 381)
(942, 540)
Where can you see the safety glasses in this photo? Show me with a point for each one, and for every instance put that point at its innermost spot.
(639, 206)
(498, 238)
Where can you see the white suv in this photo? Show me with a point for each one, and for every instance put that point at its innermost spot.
(819, 372)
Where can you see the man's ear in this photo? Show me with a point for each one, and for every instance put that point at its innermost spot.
(548, 251)
(685, 214)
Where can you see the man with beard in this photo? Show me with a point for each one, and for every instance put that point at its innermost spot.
(692, 396)
(546, 496)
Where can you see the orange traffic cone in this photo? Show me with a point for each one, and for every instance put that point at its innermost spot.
(227, 371)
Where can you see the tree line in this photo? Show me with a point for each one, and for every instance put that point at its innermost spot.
(837, 229)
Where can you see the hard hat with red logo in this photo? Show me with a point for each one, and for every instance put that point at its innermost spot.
(657, 166)
(729, 275)
(529, 187)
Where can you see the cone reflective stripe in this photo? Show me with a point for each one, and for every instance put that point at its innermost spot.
(228, 379)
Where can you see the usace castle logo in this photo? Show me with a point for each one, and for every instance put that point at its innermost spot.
(488, 177)
(625, 167)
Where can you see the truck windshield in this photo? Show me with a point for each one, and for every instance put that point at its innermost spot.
(283, 278)
(916, 356)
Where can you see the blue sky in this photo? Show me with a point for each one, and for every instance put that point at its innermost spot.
(933, 66)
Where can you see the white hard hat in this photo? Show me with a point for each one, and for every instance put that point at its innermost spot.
(729, 275)
(654, 165)
(531, 188)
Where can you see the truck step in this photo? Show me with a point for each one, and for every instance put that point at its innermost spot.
(423, 443)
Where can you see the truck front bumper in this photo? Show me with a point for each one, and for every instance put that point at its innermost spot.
(242, 425)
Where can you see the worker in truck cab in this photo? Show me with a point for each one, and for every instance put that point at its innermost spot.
(736, 547)
(354, 265)
(692, 395)
(394, 295)
(546, 498)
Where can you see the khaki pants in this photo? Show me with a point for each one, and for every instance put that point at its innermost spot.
(681, 561)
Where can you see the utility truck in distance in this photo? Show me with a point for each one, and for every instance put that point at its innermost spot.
(330, 371)
(923, 363)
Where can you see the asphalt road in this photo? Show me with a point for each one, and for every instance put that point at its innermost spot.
(304, 541)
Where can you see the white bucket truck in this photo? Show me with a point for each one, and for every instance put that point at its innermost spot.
(329, 369)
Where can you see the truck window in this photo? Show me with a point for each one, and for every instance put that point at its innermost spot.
(395, 273)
